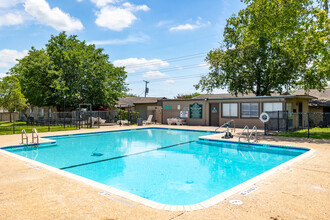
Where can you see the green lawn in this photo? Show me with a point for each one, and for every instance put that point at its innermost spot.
(6, 127)
(318, 133)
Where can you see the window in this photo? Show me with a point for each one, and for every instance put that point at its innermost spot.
(250, 110)
(273, 106)
(41, 112)
(179, 107)
(49, 113)
(229, 110)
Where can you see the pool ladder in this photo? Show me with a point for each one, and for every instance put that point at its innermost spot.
(24, 137)
(249, 134)
(35, 132)
(35, 136)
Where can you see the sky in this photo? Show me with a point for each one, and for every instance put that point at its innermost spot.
(163, 42)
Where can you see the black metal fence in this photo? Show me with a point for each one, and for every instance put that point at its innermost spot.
(302, 124)
(57, 121)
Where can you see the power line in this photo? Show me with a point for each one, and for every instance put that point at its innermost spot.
(171, 69)
(165, 78)
(173, 59)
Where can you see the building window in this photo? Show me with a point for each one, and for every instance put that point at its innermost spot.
(229, 110)
(250, 110)
(49, 113)
(273, 106)
(41, 112)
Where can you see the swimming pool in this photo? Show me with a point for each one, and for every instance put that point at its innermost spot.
(168, 166)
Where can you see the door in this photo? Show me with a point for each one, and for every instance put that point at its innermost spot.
(214, 114)
(300, 115)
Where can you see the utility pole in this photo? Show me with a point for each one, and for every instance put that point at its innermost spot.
(146, 89)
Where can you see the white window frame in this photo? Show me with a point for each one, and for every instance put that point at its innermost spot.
(249, 115)
(231, 114)
(273, 108)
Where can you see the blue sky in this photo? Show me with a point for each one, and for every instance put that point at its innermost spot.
(161, 41)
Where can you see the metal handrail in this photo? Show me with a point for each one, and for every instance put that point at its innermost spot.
(255, 129)
(26, 137)
(225, 124)
(34, 131)
(245, 128)
(219, 127)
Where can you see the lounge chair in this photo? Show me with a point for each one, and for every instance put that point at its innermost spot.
(149, 120)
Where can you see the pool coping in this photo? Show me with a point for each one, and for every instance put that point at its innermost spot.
(198, 206)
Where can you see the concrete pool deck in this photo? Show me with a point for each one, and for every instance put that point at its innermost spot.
(300, 191)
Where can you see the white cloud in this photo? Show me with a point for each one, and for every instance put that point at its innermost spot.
(102, 3)
(163, 23)
(134, 64)
(11, 19)
(79, 0)
(169, 81)
(2, 75)
(184, 27)
(118, 18)
(154, 74)
(53, 17)
(9, 3)
(129, 39)
(8, 57)
(204, 64)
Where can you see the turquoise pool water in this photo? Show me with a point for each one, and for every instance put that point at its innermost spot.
(167, 166)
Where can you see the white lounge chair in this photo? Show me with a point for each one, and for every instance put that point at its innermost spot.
(149, 120)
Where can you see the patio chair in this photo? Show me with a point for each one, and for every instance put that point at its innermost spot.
(149, 120)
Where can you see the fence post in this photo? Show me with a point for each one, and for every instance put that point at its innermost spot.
(64, 119)
(79, 119)
(308, 124)
(48, 123)
(278, 121)
(287, 120)
(98, 119)
(13, 126)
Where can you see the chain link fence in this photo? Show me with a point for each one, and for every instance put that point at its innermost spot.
(302, 124)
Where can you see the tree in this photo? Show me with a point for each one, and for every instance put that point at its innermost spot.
(72, 70)
(11, 97)
(271, 45)
(187, 96)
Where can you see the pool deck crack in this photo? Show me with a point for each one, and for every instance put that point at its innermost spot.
(177, 215)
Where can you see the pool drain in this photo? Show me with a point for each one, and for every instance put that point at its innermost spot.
(189, 181)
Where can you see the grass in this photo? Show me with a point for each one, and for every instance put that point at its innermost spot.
(317, 133)
(6, 127)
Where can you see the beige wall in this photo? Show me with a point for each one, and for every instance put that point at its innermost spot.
(175, 112)
(143, 110)
(239, 121)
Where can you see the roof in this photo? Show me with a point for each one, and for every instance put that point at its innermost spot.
(227, 96)
(131, 101)
(323, 97)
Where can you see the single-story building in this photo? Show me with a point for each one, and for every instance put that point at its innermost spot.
(321, 104)
(216, 109)
(320, 107)
(144, 105)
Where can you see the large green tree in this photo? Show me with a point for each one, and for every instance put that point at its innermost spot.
(269, 46)
(72, 70)
(11, 97)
